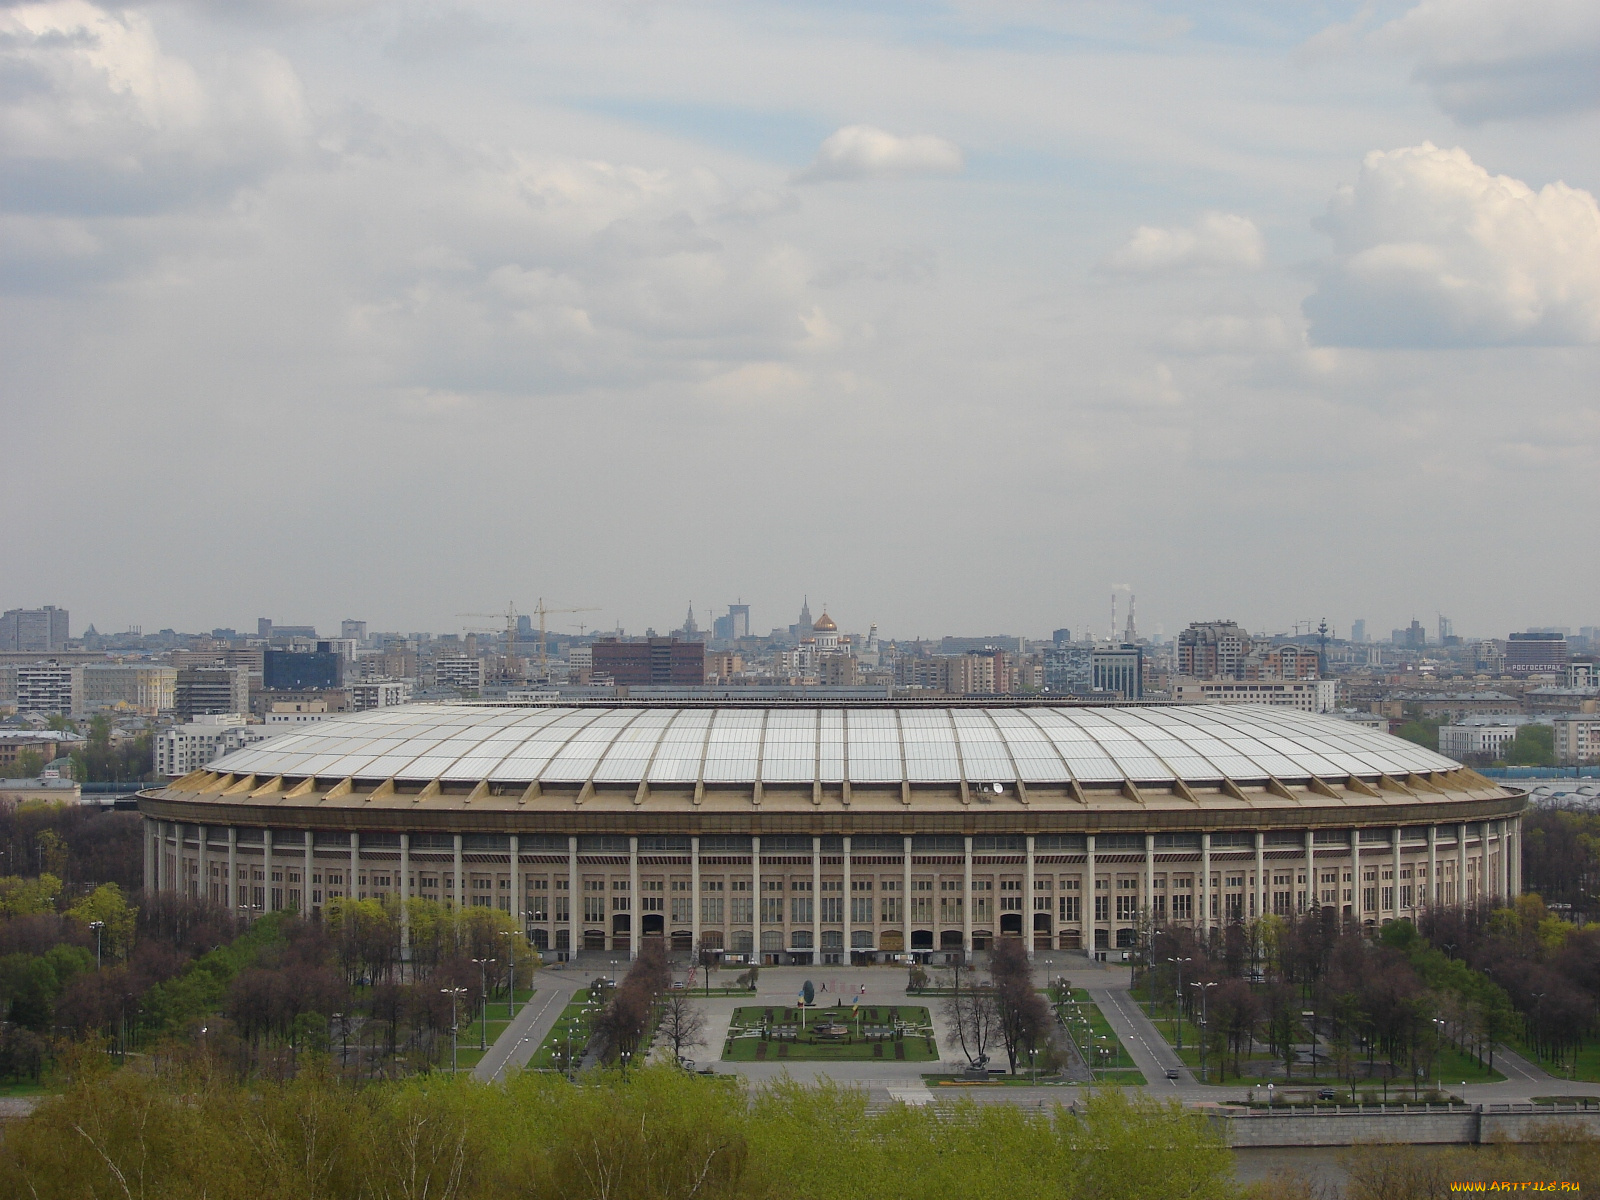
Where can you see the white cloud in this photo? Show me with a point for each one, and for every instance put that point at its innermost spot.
(1485, 59)
(1430, 250)
(1217, 241)
(96, 117)
(864, 152)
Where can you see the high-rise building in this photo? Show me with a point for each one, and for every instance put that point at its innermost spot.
(202, 690)
(653, 661)
(1358, 630)
(1536, 653)
(353, 630)
(287, 670)
(1060, 637)
(1212, 650)
(137, 687)
(45, 687)
(1118, 669)
(34, 630)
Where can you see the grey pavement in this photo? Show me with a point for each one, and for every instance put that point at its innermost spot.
(517, 1043)
(1107, 986)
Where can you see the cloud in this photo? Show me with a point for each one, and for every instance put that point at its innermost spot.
(96, 118)
(1217, 241)
(1489, 59)
(863, 152)
(1432, 250)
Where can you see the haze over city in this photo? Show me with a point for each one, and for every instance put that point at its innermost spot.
(953, 317)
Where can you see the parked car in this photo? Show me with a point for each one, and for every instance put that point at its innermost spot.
(1172, 1072)
(1325, 1094)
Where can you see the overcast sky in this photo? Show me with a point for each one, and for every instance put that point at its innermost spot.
(953, 316)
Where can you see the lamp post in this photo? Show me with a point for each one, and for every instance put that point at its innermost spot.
(97, 926)
(483, 992)
(1312, 1014)
(455, 995)
(511, 973)
(1203, 987)
(1180, 962)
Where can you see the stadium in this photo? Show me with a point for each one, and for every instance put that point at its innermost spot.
(798, 832)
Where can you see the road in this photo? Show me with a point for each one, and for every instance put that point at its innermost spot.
(517, 1043)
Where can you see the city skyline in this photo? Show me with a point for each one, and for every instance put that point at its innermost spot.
(962, 313)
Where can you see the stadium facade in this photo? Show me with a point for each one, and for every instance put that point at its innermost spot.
(803, 832)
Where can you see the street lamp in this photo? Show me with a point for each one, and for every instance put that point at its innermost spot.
(455, 995)
(511, 973)
(1180, 962)
(97, 926)
(1312, 1014)
(1203, 987)
(483, 992)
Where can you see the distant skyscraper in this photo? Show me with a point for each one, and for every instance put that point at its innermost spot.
(1060, 637)
(740, 615)
(1358, 630)
(356, 630)
(34, 630)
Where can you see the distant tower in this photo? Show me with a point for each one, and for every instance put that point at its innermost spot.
(1322, 649)
(805, 616)
(1131, 635)
(689, 627)
(1112, 636)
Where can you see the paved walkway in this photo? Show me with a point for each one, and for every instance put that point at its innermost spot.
(518, 1041)
(1107, 986)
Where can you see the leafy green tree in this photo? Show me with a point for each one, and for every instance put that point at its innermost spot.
(109, 906)
(1533, 746)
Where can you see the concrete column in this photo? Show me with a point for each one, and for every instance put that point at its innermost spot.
(230, 894)
(1461, 863)
(1261, 874)
(694, 905)
(905, 895)
(755, 902)
(1433, 865)
(816, 899)
(1503, 876)
(1516, 858)
(161, 856)
(307, 868)
(966, 903)
(1394, 869)
(635, 908)
(352, 890)
(849, 897)
(1150, 877)
(574, 900)
(405, 894)
(266, 872)
(1028, 904)
(518, 896)
(203, 865)
(147, 829)
(1205, 883)
(1312, 900)
(1355, 874)
(461, 885)
(1088, 892)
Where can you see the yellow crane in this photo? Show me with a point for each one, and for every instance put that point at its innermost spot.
(510, 617)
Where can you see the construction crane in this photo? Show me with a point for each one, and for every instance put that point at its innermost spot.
(510, 617)
(543, 611)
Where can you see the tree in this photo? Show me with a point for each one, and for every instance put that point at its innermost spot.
(683, 1023)
(1533, 746)
(973, 1017)
(1023, 1014)
(109, 906)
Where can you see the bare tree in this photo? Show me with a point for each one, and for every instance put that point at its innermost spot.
(974, 1019)
(683, 1023)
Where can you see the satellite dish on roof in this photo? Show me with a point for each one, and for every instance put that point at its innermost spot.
(998, 788)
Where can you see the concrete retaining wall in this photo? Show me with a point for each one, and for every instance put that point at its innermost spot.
(1416, 1124)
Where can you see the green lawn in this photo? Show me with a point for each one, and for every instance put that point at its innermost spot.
(1586, 1069)
(1451, 1066)
(573, 1018)
(467, 1053)
(1091, 1031)
(861, 1043)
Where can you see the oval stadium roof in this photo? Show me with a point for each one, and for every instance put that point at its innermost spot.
(800, 745)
